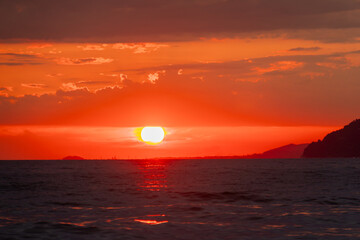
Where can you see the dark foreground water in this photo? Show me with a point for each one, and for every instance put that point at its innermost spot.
(180, 199)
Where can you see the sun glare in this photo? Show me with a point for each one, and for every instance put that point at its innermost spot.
(151, 135)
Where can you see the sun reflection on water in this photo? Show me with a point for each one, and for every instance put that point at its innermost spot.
(153, 175)
(153, 178)
(150, 222)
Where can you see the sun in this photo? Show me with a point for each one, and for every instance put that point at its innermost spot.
(150, 135)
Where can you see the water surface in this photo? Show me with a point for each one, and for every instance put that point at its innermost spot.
(180, 199)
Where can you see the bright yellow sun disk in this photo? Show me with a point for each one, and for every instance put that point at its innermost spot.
(152, 135)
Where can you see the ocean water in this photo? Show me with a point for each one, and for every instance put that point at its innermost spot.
(181, 199)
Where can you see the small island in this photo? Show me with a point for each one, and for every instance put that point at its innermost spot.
(341, 143)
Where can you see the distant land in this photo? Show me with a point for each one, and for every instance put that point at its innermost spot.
(287, 151)
(341, 143)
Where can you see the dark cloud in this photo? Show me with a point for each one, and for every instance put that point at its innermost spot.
(3, 89)
(18, 59)
(34, 85)
(300, 49)
(18, 55)
(325, 35)
(83, 61)
(19, 63)
(93, 82)
(142, 20)
(242, 68)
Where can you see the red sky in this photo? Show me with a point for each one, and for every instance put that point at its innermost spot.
(222, 77)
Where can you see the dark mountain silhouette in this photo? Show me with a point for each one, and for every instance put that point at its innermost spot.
(341, 143)
(73, 158)
(287, 151)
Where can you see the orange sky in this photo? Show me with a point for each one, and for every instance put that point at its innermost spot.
(224, 82)
(39, 142)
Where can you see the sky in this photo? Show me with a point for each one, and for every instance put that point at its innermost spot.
(222, 77)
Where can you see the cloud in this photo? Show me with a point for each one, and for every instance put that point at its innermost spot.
(255, 69)
(19, 55)
(54, 51)
(121, 76)
(71, 87)
(18, 59)
(325, 35)
(162, 20)
(93, 47)
(52, 75)
(83, 61)
(139, 47)
(300, 49)
(94, 86)
(93, 82)
(19, 63)
(279, 66)
(153, 77)
(4, 91)
(34, 85)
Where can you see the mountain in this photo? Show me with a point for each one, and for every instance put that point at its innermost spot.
(341, 143)
(287, 151)
(73, 158)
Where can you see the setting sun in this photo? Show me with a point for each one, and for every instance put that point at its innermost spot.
(152, 135)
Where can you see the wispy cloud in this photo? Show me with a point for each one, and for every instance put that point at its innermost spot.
(300, 49)
(34, 85)
(71, 87)
(4, 91)
(18, 59)
(83, 61)
(139, 47)
(2, 88)
(52, 75)
(19, 55)
(93, 47)
(279, 66)
(93, 82)
(253, 68)
(121, 76)
(19, 63)
(55, 51)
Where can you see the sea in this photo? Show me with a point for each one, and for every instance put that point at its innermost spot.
(180, 199)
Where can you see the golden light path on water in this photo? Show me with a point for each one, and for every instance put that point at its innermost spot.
(153, 179)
